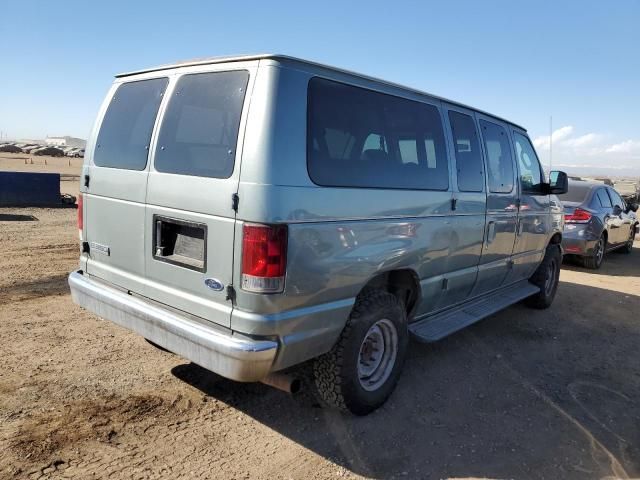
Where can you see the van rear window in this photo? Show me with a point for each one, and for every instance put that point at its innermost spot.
(199, 130)
(362, 138)
(125, 133)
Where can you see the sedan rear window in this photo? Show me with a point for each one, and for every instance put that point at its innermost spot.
(200, 128)
(125, 133)
(577, 193)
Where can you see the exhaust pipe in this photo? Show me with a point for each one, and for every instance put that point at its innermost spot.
(282, 381)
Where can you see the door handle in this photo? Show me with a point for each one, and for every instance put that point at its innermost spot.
(491, 231)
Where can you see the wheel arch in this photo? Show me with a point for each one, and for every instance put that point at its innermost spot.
(404, 283)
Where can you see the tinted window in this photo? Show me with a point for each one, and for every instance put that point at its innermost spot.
(499, 161)
(199, 131)
(604, 199)
(361, 138)
(530, 171)
(615, 198)
(468, 156)
(595, 201)
(125, 133)
(577, 192)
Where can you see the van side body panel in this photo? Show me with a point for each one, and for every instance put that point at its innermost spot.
(340, 238)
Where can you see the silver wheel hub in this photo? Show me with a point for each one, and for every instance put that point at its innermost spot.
(599, 250)
(550, 279)
(377, 356)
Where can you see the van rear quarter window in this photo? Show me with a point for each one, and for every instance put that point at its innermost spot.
(362, 138)
(199, 130)
(125, 133)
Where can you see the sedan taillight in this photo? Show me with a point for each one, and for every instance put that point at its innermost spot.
(578, 216)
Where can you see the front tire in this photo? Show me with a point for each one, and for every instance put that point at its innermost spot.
(628, 247)
(362, 369)
(546, 277)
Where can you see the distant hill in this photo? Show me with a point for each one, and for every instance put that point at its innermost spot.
(608, 171)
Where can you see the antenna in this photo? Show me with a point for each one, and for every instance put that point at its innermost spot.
(550, 141)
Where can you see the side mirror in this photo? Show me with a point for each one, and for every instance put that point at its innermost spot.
(617, 210)
(558, 183)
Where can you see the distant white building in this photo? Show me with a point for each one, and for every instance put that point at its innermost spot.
(56, 141)
(65, 141)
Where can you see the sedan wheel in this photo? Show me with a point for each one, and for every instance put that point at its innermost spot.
(595, 260)
(628, 247)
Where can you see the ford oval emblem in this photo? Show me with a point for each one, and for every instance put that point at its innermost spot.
(214, 284)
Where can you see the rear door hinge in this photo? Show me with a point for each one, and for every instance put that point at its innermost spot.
(86, 181)
(231, 293)
(235, 201)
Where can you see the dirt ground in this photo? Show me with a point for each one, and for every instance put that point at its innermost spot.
(522, 394)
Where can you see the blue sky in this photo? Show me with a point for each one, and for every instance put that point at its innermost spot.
(576, 60)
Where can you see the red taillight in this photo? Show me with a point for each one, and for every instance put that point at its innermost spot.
(264, 258)
(578, 216)
(80, 216)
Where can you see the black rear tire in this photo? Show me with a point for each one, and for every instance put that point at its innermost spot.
(594, 261)
(338, 373)
(546, 277)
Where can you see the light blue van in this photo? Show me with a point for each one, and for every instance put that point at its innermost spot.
(255, 213)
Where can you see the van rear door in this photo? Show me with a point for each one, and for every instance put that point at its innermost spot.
(114, 182)
(189, 218)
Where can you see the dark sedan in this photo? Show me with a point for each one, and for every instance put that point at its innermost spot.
(597, 220)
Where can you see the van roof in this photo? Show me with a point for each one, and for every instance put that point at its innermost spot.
(287, 58)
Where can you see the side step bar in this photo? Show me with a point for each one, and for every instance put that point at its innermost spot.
(440, 325)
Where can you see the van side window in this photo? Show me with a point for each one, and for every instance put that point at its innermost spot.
(362, 138)
(125, 133)
(499, 159)
(199, 130)
(530, 170)
(339, 143)
(408, 150)
(467, 149)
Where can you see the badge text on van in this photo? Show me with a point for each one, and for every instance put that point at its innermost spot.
(98, 247)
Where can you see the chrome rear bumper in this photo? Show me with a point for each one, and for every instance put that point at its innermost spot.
(215, 348)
